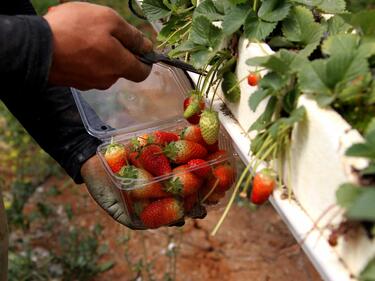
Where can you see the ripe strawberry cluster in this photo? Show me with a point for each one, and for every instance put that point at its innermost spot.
(173, 173)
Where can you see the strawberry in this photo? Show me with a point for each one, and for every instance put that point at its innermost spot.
(182, 151)
(140, 205)
(193, 133)
(183, 182)
(225, 175)
(211, 148)
(200, 166)
(115, 155)
(162, 212)
(158, 137)
(154, 161)
(263, 185)
(210, 126)
(216, 156)
(253, 79)
(134, 159)
(148, 188)
(196, 108)
(189, 202)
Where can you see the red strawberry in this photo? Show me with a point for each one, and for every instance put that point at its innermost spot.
(140, 205)
(193, 133)
(253, 79)
(211, 148)
(263, 185)
(209, 194)
(200, 166)
(183, 182)
(115, 155)
(189, 202)
(158, 137)
(134, 159)
(162, 212)
(220, 154)
(182, 151)
(225, 174)
(210, 126)
(147, 187)
(154, 161)
(197, 105)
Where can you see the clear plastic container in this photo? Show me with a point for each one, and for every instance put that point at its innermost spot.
(129, 110)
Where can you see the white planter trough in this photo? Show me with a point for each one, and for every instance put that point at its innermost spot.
(318, 168)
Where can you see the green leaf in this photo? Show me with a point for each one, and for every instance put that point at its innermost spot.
(172, 30)
(296, 116)
(370, 127)
(274, 10)
(255, 28)
(347, 194)
(238, 2)
(361, 150)
(208, 9)
(229, 65)
(280, 42)
(274, 81)
(337, 25)
(309, 3)
(201, 58)
(155, 9)
(257, 97)
(363, 208)
(203, 32)
(324, 100)
(332, 6)
(106, 266)
(313, 78)
(230, 87)
(264, 119)
(186, 47)
(368, 273)
(235, 18)
(341, 44)
(301, 27)
(364, 21)
(290, 100)
(370, 170)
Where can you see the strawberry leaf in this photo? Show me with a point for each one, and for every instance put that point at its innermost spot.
(230, 87)
(208, 9)
(255, 28)
(363, 207)
(201, 58)
(300, 27)
(274, 10)
(155, 9)
(173, 30)
(364, 21)
(337, 25)
(368, 273)
(203, 32)
(257, 97)
(347, 194)
(340, 44)
(235, 18)
(332, 6)
(264, 119)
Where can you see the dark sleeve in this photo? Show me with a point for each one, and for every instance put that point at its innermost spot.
(49, 114)
(25, 53)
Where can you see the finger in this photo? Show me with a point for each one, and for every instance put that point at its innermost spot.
(129, 66)
(132, 38)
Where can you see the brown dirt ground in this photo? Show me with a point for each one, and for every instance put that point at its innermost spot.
(251, 245)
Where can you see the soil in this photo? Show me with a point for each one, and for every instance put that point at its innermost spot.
(251, 245)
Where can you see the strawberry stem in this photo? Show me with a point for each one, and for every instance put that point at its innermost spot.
(211, 191)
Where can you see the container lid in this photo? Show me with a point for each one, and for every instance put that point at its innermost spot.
(127, 106)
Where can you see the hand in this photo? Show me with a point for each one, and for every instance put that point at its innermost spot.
(101, 187)
(94, 46)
